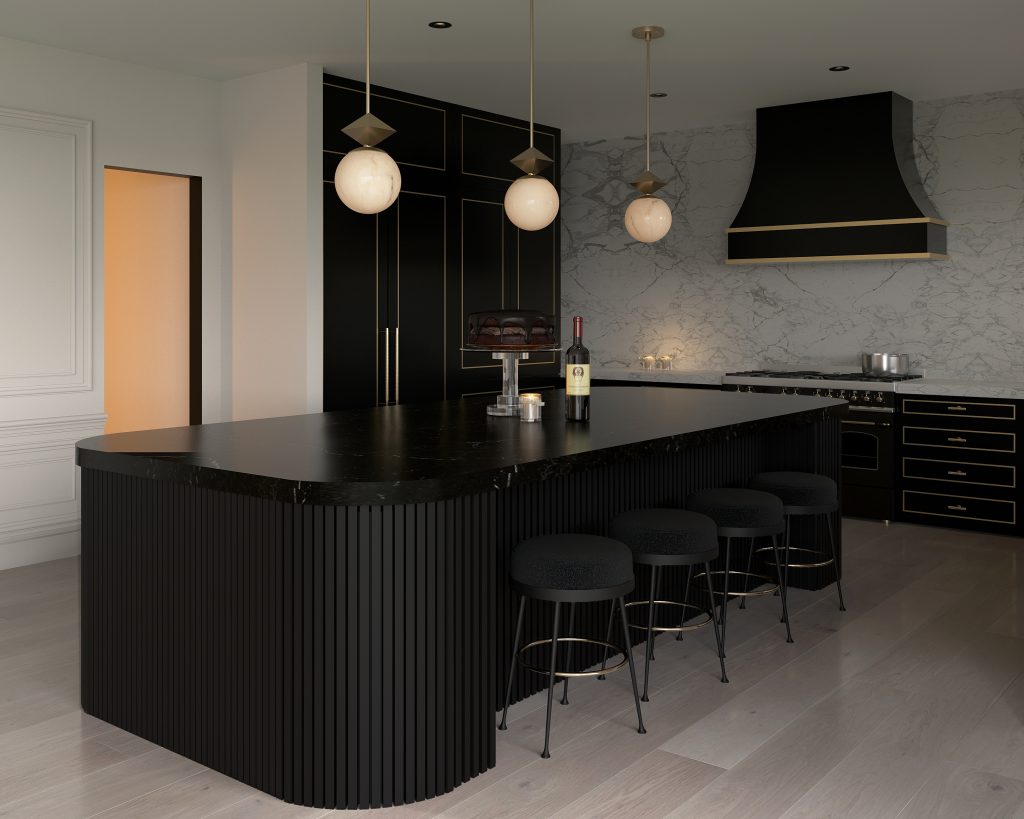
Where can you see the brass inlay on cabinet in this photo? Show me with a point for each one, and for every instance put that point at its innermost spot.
(955, 472)
(917, 220)
(961, 503)
(961, 409)
(956, 437)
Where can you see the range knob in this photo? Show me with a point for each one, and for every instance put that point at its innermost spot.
(817, 393)
(878, 398)
(841, 394)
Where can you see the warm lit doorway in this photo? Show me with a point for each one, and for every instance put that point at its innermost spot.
(152, 286)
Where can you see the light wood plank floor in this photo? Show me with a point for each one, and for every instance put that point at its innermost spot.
(910, 704)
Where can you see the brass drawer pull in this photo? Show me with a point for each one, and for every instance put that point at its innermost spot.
(957, 440)
(958, 472)
(957, 408)
(956, 507)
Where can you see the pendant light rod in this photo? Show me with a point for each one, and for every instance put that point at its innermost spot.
(367, 56)
(531, 72)
(647, 98)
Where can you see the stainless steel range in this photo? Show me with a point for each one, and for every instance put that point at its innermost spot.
(868, 443)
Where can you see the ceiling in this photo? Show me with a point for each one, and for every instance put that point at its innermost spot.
(719, 60)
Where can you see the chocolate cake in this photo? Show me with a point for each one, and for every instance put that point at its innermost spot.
(511, 330)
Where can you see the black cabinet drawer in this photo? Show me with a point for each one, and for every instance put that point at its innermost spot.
(960, 439)
(952, 408)
(962, 508)
(960, 472)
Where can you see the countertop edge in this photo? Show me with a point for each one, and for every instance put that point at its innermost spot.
(385, 493)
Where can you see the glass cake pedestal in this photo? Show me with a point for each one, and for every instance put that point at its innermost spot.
(507, 404)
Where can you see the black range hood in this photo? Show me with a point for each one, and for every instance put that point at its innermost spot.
(835, 180)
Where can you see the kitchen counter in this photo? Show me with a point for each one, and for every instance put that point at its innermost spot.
(319, 605)
(960, 387)
(635, 374)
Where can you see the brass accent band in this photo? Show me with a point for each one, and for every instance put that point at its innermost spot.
(674, 629)
(763, 578)
(864, 257)
(915, 220)
(825, 561)
(547, 671)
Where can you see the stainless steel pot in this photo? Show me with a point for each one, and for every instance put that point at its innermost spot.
(885, 363)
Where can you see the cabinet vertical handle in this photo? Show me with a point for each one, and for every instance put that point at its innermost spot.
(387, 365)
(398, 380)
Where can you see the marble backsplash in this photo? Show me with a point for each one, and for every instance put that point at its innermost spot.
(963, 318)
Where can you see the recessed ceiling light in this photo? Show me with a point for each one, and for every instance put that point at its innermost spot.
(440, 24)
(839, 68)
(659, 94)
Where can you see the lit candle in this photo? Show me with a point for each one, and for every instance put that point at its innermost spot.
(529, 406)
(647, 362)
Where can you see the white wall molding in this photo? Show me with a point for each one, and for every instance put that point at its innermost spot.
(40, 499)
(45, 253)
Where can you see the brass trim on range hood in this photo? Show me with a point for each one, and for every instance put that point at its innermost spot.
(836, 180)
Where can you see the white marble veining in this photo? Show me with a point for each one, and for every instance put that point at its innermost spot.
(710, 377)
(962, 319)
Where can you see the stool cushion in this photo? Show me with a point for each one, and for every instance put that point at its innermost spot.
(572, 562)
(738, 508)
(797, 488)
(668, 532)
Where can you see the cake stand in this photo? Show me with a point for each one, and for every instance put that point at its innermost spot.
(507, 403)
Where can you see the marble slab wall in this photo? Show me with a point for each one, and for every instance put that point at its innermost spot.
(958, 319)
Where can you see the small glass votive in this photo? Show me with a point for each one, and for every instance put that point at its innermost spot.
(647, 362)
(529, 406)
(665, 362)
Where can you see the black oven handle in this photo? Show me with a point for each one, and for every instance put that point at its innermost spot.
(868, 423)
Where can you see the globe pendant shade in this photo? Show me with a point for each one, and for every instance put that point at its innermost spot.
(531, 202)
(367, 180)
(648, 219)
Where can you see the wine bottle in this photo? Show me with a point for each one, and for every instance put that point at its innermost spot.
(577, 376)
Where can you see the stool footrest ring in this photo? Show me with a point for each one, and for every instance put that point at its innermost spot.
(824, 560)
(673, 629)
(547, 671)
(760, 578)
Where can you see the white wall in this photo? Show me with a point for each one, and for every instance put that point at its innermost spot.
(274, 139)
(140, 118)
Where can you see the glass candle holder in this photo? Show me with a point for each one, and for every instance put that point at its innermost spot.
(529, 407)
(647, 362)
(665, 362)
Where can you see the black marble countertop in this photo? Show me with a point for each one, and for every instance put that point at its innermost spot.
(425, 452)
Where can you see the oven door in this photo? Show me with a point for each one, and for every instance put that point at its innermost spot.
(867, 452)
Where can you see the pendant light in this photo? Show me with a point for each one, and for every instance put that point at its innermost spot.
(367, 179)
(648, 218)
(531, 202)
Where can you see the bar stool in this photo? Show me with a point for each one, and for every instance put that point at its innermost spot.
(804, 493)
(669, 537)
(570, 569)
(744, 513)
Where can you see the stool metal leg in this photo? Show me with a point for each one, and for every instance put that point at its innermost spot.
(632, 671)
(649, 647)
(551, 681)
(835, 562)
(782, 580)
(686, 599)
(512, 665)
(725, 591)
(714, 621)
(608, 638)
(746, 577)
(657, 594)
(568, 654)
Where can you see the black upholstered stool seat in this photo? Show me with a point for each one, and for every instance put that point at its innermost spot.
(662, 538)
(798, 489)
(747, 509)
(572, 563)
(675, 537)
(570, 568)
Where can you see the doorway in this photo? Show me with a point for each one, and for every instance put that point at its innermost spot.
(152, 299)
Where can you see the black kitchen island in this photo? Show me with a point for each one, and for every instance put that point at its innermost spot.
(318, 606)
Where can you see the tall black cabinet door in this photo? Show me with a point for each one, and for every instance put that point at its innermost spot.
(353, 330)
(418, 271)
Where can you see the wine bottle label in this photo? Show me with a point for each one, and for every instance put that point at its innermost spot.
(577, 379)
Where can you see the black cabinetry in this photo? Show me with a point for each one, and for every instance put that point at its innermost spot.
(960, 462)
(398, 285)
